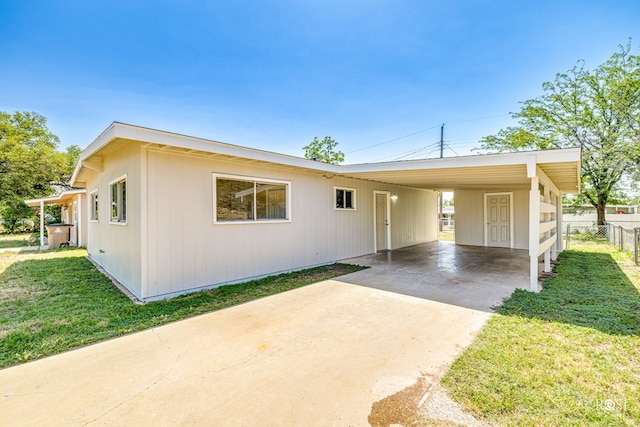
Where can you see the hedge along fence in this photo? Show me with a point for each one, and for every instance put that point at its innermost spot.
(624, 238)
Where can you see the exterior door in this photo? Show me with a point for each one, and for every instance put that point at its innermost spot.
(382, 221)
(498, 215)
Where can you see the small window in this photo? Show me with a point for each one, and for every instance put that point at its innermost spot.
(119, 200)
(250, 199)
(93, 205)
(345, 198)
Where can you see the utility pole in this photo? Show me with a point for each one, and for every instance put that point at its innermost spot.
(442, 141)
(440, 209)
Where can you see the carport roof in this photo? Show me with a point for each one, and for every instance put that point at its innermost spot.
(61, 199)
(492, 171)
(489, 171)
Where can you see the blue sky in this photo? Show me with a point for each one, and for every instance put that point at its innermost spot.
(274, 74)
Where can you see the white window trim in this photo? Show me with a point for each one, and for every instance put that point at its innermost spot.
(115, 181)
(254, 179)
(91, 207)
(353, 199)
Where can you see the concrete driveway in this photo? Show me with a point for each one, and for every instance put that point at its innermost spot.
(332, 353)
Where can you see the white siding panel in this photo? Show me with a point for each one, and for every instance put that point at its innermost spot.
(117, 247)
(469, 223)
(188, 251)
(469, 219)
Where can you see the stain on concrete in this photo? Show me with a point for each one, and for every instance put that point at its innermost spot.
(398, 407)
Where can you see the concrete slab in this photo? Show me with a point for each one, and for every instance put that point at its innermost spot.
(469, 276)
(316, 356)
(331, 353)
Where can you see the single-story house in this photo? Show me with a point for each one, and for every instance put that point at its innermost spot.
(169, 214)
(585, 215)
(72, 203)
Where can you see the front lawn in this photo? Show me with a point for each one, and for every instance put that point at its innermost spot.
(17, 240)
(568, 356)
(54, 301)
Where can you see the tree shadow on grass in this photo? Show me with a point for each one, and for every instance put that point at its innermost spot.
(587, 289)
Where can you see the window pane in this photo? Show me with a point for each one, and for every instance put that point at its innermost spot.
(123, 201)
(339, 199)
(114, 202)
(234, 200)
(348, 195)
(271, 201)
(94, 206)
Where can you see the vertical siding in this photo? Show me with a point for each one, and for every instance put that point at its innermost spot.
(186, 250)
(413, 217)
(117, 247)
(469, 219)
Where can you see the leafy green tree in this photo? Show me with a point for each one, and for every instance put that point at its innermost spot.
(596, 110)
(30, 164)
(323, 151)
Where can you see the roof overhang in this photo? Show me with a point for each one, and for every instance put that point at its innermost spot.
(61, 199)
(490, 171)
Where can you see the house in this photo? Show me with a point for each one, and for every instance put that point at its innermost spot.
(586, 216)
(72, 205)
(169, 214)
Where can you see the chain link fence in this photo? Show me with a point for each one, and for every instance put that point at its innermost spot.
(625, 239)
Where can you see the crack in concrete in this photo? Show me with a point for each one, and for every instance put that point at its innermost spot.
(176, 357)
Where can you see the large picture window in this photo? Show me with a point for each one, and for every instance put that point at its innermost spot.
(345, 198)
(119, 200)
(250, 199)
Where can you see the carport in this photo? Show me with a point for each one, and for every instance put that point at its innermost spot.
(474, 277)
(511, 200)
(72, 205)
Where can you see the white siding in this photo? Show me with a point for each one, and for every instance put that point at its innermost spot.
(470, 223)
(117, 247)
(185, 250)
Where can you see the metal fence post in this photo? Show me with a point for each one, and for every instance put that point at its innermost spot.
(567, 236)
(636, 236)
(621, 238)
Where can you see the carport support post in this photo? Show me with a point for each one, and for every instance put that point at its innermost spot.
(534, 231)
(41, 224)
(547, 253)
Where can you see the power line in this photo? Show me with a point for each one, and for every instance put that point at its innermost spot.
(424, 130)
(391, 140)
(401, 156)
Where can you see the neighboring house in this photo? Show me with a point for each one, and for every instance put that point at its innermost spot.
(169, 214)
(585, 215)
(73, 210)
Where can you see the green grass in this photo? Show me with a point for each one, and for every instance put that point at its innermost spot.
(567, 356)
(54, 301)
(446, 236)
(16, 240)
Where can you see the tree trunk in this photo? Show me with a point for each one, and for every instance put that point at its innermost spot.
(600, 209)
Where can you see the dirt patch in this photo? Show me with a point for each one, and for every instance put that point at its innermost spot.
(440, 410)
(399, 407)
(422, 404)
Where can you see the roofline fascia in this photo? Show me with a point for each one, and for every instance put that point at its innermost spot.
(55, 198)
(523, 157)
(152, 136)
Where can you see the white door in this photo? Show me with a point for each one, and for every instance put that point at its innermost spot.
(382, 221)
(498, 220)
